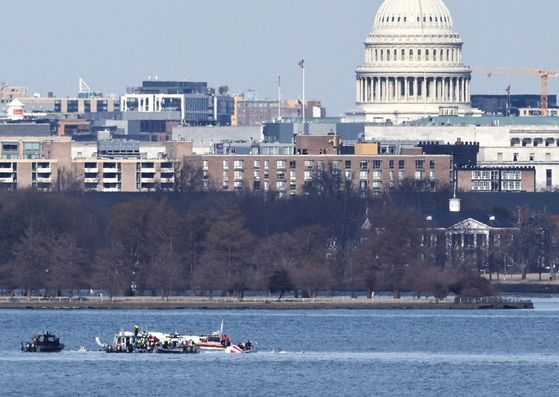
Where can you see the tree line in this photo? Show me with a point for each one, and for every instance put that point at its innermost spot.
(225, 243)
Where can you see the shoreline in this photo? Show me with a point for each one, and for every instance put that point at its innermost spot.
(190, 303)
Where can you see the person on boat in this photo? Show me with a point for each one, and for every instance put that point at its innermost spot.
(248, 345)
(136, 330)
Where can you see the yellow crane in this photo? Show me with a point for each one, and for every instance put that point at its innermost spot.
(543, 74)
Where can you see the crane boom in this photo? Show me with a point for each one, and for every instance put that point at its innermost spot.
(543, 74)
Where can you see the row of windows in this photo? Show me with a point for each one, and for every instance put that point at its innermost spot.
(418, 19)
(434, 55)
(310, 164)
(535, 142)
(311, 175)
(495, 186)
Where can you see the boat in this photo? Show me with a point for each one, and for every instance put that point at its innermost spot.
(183, 348)
(149, 342)
(45, 343)
(241, 348)
(216, 341)
(133, 342)
(219, 341)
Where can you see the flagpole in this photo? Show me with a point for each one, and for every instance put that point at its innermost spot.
(279, 97)
(304, 116)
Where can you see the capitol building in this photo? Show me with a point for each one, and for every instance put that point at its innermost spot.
(413, 66)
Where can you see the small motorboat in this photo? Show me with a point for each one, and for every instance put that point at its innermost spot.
(214, 341)
(247, 347)
(45, 343)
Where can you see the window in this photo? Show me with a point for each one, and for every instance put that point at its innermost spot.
(280, 164)
(376, 186)
(205, 165)
(391, 164)
(481, 186)
(292, 175)
(292, 164)
(239, 164)
(31, 150)
(512, 175)
(419, 175)
(257, 164)
(419, 164)
(433, 240)
(363, 165)
(377, 175)
(401, 175)
(348, 164)
(377, 164)
(431, 165)
(401, 164)
(225, 185)
(10, 151)
(364, 175)
(497, 240)
(549, 179)
(225, 164)
(238, 175)
(266, 164)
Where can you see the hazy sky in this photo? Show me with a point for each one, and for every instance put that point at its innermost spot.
(245, 44)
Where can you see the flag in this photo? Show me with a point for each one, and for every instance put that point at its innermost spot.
(302, 63)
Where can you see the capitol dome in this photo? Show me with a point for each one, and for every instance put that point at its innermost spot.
(413, 65)
(413, 14)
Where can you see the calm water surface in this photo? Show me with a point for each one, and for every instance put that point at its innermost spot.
(324, 353)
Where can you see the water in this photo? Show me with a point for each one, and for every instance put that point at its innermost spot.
(324, 353)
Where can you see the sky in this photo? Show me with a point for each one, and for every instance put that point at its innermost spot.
(247, 44)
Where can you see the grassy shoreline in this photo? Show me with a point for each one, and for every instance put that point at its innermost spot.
(174, 303)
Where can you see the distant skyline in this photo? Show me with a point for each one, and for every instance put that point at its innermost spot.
(247, 44)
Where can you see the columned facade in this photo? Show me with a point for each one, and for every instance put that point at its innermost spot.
(413, 65)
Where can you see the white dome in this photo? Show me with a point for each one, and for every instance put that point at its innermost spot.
(413, 65)
(413, 14)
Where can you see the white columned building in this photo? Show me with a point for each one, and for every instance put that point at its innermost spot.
(413, 66)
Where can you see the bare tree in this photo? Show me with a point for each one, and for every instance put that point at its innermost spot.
(189, 177)
(228, 252)
(69, 181)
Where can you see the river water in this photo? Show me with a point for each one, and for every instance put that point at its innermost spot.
(323, 353)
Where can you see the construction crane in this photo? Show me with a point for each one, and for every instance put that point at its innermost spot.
(543, 74)
(84, 88)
